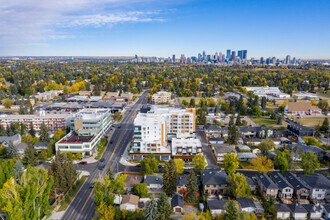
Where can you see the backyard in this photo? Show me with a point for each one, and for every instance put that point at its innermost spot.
(267, 121)
(312, 121)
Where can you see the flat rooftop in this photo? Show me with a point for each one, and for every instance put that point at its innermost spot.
(76, 139)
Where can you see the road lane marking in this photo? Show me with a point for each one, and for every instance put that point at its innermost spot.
(87, 200)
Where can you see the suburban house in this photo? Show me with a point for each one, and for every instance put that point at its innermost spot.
(303, 148)
(40, 146)
(22, 146)
(154, 182)
(266, 185)
(219, 150)
(130, 202)
(301, 108)
(283, 211)
(253, 184)
(244, 148)
(15, 139)
(255, 149)
(216, 141)
(255, 132)
(182, 182)
(246, 156)
(177, 203)
(131, 181)
(297, 211)
(314, 211)
(217, 207)
(246, 204)
(215, 131)
(214, 181)
(318, 185)
(285, 190)
(301, 189)
(277, 141)
(300, 130)
(254, 141)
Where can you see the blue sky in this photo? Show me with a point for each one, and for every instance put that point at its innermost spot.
(300, 28)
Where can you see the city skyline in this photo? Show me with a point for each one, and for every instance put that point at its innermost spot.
(151, 28)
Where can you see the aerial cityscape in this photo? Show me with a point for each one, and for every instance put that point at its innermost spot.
(143, 109)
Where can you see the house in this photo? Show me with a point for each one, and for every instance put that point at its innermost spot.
(154, 182)
(246, 204)
(303, 148)
(181, 184)
(300, 188)
(215, 131)
(22, 146)
(246, 156)
(15, 139)
(266, 186)
(216, 141)
(177, 203)
(40, 146)
(254, 141)
(301, 108)
(214, 181)
(285, 190)
(131, 181)
(277, 141)
(252, 183)
(255, 132)
(283, 211)
(244, 148)
(255, 149)
(318, 185)
(314, 211)
(300, 130)
(130, 202)
(219, 150)
(326, 211)
(217, 207)
(297, 211)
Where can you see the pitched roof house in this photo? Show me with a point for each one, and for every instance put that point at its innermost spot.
(266, 185)
(129, 202)
(301, 189)
(301, 108)
(214, 181)
(177, 203)
(217, 207)
(318, 185)
(285, 190)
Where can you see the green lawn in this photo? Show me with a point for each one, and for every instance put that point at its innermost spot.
(197, 99)
(267, 121)
(66, 203)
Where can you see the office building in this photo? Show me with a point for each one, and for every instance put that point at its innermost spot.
(87, 127)
(240, 54)
(228, 54)
(173, 58)
(233, 55)
(244, 54)
(288, 59)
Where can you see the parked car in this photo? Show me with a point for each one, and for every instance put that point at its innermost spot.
(111, 141)
(102, 159)
(101, 167)
(83, 162)
(91, 185)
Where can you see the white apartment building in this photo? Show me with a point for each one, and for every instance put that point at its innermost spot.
(152, 129)
(268, 92)
(87, 128)
(161, 97)
(306, 96)
(52, 121)
(186, 148)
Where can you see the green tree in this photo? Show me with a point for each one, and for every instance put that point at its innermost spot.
(266, 145)
(282, 161)
(231, 211)
(44, 135)
(149, 164)
(30, 156)
(238, 120)
(311, 141)
(231, 163)
(232, 131)
(164, 207)
(2, 131)
(192, 187)
(238, 185)
(170, 177)
(323, 105)
(256, 111)
(269, 206)
(199, 162)
(110, 174)
(325, 125)
(141, 190)
(179, 165)
(8, 103)
(18, 169)
(7, 168)
(192, 102)
(12, 150)
(309, 163)
(22, 129)
(32, 132)
(151, 211)
(279, 120)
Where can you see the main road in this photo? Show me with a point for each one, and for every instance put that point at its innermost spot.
(82, 207)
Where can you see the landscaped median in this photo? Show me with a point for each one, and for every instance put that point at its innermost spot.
(101, 146)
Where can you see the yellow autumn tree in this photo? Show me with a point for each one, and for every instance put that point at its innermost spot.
(262, 164)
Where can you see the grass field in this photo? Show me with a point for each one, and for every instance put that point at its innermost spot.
(267, 121)
(312, 121)
(197, 99)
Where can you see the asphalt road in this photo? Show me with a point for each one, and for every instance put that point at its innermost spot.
(211, 162)
(82, 207)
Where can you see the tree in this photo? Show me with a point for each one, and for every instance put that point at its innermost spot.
(317, 131)
(170, 177)
(266, 145)
(256, 111)
(231, 163)
(8, 103)
(279, 120)
(2, 131)
(44, 135)
(105, 212)
(238, 120)
(238, 185)
(199, 162)
(179, 165)
(30, 156)
(164, 207)
(232, 131)
(262, 164)
(32, 132)
(151, 211)
(192, 103)
(263, 102)
(192, 187)
(12, 150)
(231, 211)
(58, 134)
(149, 164)
(148, 97)
(323, 105)
(110, 174)
(309, 163)
(311, 141)
(282, 161)
(22, 129)
(269, 206)
(141, 190)
(325, 125)
(21, 108)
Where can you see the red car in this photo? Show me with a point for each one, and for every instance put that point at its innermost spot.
(83, 162)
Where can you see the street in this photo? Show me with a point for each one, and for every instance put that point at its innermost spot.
(82, 206)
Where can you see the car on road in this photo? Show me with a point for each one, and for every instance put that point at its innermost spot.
(101, 167)
(91, 185)
(111, 141)
(102, 159)
(119, 126)
(83, 162)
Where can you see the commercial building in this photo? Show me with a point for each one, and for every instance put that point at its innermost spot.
(152, 129)
(306, 96)
(301, 108)
(87, 128)
(161, 97)
(268, 92)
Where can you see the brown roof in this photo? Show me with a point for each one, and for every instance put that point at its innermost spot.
(301, 106)
(130, 199)
(133, 180)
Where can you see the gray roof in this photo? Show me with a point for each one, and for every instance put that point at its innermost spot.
(279, 180)
(177, 200)
(214, 176)
(223, 148)
(212, 127)
(281, 207)
(296, 208)
(252, 140)
(182, 180)
(22, 146)
(316, 180)
(246, 203)
(216, 139)
(247, 155)
(326, 207)
(153, 179)
(7, 139)
(41, 144)
(307, 148)
(295, 182)
(244, 147)
(251, 182)
(312, 208)
(214, 204)
(266, 181)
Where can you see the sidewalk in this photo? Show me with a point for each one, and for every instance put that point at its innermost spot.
(125, 157)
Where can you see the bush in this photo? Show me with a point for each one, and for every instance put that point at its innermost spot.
(66, 197)
(62, 202)
(70, 192)
(74, 187)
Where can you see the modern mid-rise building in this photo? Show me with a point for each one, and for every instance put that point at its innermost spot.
(161, 97)
(152, 129)
(186, 148)
(87, 128)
